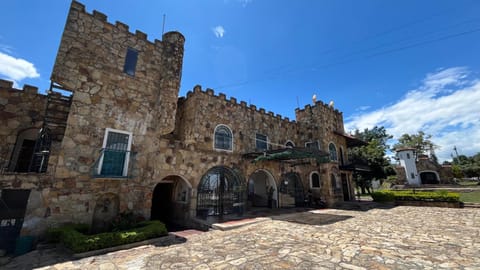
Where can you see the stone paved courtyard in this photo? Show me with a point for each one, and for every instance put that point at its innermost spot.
(396, 238)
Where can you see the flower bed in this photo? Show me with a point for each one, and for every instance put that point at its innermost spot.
(75, 238)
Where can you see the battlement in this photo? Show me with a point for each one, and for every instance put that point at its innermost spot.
(27, 89)
(169, 37)
(318, 105)
(223, 98)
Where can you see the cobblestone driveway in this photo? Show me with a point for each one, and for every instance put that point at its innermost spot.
(397, 238)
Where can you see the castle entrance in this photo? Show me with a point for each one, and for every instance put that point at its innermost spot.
(291, 190)
(262, 190)
(170, 202)
(429, 178)
(220, 192)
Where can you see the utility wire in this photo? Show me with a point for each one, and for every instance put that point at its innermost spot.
(316, 68)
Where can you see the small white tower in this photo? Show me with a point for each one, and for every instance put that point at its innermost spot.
(407, 161)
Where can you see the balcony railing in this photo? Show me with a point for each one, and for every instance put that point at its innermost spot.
(112, 163)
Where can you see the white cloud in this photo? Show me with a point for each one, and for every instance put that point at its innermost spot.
(219, 31)
(446, 105)
(16, 69)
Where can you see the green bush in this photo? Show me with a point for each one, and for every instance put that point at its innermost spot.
(383, 196)
(79, 242)
(410, 195)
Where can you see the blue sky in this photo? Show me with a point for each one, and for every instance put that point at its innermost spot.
(407, 65)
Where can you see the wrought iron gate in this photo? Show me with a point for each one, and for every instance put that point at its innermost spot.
(220, 192)
(292, 185)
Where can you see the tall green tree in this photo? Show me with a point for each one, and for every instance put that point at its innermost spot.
(373, 155)
(421, 142)
(469, 166)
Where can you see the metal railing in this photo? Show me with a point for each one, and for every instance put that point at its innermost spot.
(113, 163)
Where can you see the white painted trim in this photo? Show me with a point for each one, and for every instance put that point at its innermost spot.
(289, 141)
(271, 180)
(215, 131)
(129, 147)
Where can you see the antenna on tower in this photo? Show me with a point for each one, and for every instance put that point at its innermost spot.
(163, 24)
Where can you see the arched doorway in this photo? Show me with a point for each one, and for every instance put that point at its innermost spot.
(291, 190)
(262, 190)
(220, 192)
(429, 177)
(170, 202)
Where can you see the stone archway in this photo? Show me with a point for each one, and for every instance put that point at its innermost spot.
(429, 177)
(171, 202)
(220, 192)
(291, 190)
(262, 189)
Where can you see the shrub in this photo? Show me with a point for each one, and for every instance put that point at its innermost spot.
(410, 195)
(79, 242)
(383, 196)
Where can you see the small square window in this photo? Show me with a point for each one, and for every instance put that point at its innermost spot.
(312, 145)
(261, 142)
(130, 62)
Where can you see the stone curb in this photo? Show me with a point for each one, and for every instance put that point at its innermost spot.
(238, 223)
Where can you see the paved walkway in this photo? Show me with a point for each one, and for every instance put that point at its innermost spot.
(397, 238)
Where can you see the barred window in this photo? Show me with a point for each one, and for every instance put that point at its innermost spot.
(223, 138)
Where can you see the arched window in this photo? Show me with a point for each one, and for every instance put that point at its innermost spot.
(314, 180)
(289, 144)
(223, 138)
(333, 152)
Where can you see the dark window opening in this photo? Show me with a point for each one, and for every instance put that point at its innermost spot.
(25, 156)
(289, 144)
(130, 62)
(261, 142)
(312, 145)
(315, 180)
(333, 152)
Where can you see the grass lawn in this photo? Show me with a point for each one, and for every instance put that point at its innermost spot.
(473, 197)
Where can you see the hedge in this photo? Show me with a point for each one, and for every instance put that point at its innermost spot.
(410, 195)
(73, 237)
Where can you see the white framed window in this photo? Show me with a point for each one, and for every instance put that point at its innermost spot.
(315, 180)
(261, 142)
(115, 153)
(223, 138)
(314, 145)
(289, 144)
(332, 149)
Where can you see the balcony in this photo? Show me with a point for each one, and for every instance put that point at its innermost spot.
(113, 163)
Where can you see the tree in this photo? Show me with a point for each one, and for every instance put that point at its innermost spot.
(420, 141)
(469, 166)
(372, 154)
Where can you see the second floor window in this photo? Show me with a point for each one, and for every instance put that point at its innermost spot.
(333, 152)
(261, 142)
(130, 61)
(223, 138)
(116, 153)
(312, 146)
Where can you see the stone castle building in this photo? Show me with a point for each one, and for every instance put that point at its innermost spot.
(112, 135)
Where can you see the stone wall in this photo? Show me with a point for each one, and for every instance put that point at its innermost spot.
(20, 110)
(90, 62)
